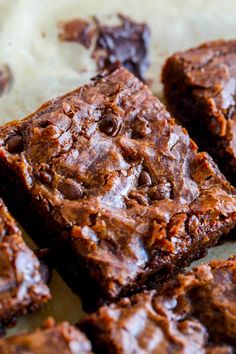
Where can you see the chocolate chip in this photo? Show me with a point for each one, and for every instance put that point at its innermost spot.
(110, 124)
(70, 189)
(144, 179)
(15, 143)
(161, 191)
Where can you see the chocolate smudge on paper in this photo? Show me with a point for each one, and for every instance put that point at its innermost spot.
(127, 43)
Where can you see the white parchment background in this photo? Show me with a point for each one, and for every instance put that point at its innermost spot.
(44, 68)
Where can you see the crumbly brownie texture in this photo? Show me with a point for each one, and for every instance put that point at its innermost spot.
(51, 339)
(119, 187)
(196, 313)
(200, 90)
(21, 286)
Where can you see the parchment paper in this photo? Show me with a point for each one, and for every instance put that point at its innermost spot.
(43, 68)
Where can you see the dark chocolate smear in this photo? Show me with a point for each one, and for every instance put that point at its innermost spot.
(127, 43)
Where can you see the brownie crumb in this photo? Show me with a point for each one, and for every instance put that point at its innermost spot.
(127, 43)
(6, 78)
(77, 30)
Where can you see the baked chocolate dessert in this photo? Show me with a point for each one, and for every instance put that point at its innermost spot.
(196, 313)
(200, 91)
(107, 179)
(21, 285)
(51, 339)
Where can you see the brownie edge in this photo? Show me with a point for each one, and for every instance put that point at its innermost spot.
(199, 86)
(193, 314)
(108, 180)
(52, 338)
(22, 289)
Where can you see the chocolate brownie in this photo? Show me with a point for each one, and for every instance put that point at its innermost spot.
(117, 189)
(200, 90)
(195, 313)
(51, 339)
(21, 286)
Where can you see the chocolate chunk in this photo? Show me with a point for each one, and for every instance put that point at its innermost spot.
(144, 179)
(5, 79)
(70, 189)
(77, 30)
(161, 191)
(127, 43)
(110, 124)
(15, 143)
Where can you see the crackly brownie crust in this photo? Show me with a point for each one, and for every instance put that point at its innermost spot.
(21, 286)
(200, 90)
(51, 339)
(194, 313)
(120, 189)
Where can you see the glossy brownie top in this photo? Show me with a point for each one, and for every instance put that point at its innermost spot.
(196, 313)
(21, 286)
(52, 339)
(109, 163)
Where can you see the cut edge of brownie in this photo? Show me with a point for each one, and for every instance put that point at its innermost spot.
(83, 272)
(22, 289)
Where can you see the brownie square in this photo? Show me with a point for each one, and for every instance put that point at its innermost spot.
(21, 286)
(51, 339)
(200, 90)
(119, 191)
(194, 313)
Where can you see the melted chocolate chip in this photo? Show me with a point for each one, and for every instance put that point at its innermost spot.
(15, 143)
(110, 124)
(70, 189)
(144, 179)
(162, 191)
(127, 43)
